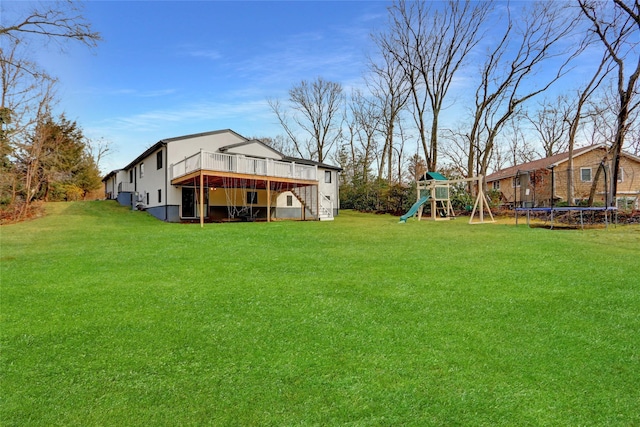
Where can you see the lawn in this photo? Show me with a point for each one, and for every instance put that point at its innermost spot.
(111, 318)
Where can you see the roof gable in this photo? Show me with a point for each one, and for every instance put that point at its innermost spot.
(196, 135)
(429, 176)
(253, 147)
(164, 142)
(543, 163)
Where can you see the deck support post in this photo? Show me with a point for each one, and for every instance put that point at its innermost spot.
(268, 201)
(201, 199)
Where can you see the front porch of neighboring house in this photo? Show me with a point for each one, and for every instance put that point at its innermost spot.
(241, 188)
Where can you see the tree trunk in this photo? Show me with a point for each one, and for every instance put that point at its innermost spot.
(596, 178)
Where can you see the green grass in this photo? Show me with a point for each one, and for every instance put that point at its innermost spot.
(110, 317)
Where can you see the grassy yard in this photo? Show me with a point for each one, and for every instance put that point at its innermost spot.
(110, 317)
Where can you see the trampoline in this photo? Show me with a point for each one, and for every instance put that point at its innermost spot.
(551, 212)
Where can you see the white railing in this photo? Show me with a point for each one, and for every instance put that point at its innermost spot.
(222, 162)
(326, 206)
(125, 187)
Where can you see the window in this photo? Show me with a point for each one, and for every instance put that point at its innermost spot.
(252, 197)
(495, 185)
(159, 159)
(131, 173)
(289, 200)
(159, 196)
(141, 170)
(516, 181)
(620, 175)
(147, 199)
(585, 174)
(327, 177)
(627, 203)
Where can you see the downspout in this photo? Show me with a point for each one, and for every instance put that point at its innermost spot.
(553, 184)
(516, 189)
(166, 181)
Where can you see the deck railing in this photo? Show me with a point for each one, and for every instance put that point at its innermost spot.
(222, 162)
(125, 187)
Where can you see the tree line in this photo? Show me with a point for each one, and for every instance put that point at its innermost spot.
(513, 56)
(42, 156)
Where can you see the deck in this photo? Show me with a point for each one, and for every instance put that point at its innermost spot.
(224, 165)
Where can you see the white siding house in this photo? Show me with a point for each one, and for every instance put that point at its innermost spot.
(237, 178)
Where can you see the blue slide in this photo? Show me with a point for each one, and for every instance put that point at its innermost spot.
(414, 209)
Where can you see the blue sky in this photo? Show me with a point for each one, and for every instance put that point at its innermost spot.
(168, 68)
(171, 68)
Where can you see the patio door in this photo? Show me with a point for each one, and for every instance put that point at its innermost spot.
(190, 205)
(188, 202)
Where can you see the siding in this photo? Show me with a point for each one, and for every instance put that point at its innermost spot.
(539, 185)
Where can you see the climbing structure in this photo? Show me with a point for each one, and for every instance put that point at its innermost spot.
(436, 189)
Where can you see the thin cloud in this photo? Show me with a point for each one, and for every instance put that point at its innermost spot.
(132, 92)
(208, 54)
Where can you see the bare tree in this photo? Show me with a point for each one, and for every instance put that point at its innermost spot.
(30, 153)
(618, 30)
(430, 43)
(417, 167)
(511, 74)
(365, 119)
(22, 83)
(317, 107)
(389, 86)
(280, 143)
(574, 113)
(28, 91)
(519, 148)
(454, 145)
(53, 20)
(550, 123)
(98, 149)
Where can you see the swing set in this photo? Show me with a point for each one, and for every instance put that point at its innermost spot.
(436, 189)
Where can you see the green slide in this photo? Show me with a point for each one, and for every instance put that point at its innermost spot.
(414, 209)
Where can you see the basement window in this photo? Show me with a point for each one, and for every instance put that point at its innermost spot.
(252, 197)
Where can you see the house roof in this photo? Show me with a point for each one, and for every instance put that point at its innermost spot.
(253, 141)
(312, 163)
(428, 176)
(110, 174)
(164, 142)
(196, 135)
(546, 162)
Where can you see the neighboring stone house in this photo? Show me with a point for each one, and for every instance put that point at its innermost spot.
(544, 182)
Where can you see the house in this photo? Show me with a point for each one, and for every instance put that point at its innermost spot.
(544, 182)
(236, 178)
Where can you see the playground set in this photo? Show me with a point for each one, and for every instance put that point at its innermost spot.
(436, 189)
